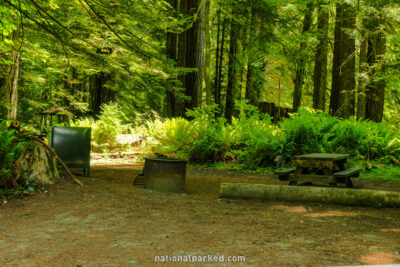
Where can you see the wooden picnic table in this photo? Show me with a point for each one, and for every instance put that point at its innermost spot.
(325, 168)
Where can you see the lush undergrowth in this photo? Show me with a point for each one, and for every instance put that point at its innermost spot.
(11, 148)
(251, 142)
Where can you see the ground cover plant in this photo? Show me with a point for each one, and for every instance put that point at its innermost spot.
(11, 149)
(253, 141)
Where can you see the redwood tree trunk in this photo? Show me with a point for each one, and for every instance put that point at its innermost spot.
(99, 93)
(207, 58)
(195, 56)
(221, 60)
(342, 102)
(181, 59)
(362, 79)
(321, 59)
(172, 42)
(376, 88)
(301, 64)
(217, 51)
(253, 79)
(231, 90)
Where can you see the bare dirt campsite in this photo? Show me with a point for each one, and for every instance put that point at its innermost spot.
(108, 222)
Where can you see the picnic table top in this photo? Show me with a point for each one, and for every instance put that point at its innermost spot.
(322, 156)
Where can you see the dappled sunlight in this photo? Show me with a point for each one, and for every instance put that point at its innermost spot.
(308, 211)
(296, 209)
(332, 213)
(394, 230)
(380, 258)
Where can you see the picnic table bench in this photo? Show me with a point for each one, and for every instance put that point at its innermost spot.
(326, 168)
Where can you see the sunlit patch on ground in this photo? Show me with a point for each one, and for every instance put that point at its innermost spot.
(308, 211)
(297, 209)
(332, 213)
(395, 230)
(380, 258)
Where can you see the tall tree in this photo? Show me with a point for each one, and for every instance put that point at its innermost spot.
(219, 61)
(217, 51)
(321, 58)
(301, 64)
(253, 81)
(232, 90)
(376, 86)
(181, 58)
(362, 76)
(172, 53)
(207, 53)
(9, 78)
(195, 54)
(99, 93)
(342, 102)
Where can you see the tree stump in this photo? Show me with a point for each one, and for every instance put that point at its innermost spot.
(38, 165)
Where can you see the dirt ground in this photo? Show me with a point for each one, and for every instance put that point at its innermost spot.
(108, 222)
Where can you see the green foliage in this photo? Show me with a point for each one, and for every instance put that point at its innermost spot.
(305, 131)
(373, 140)
(387, 172)
(203, 139)
(256, 138)
(253, 141)
(105, 130)
(10, 150)
(171, 136)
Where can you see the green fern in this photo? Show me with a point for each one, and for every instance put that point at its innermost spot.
(10, 150)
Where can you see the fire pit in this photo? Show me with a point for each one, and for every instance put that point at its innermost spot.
(164, 174)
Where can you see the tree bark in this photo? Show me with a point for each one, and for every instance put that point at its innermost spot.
(38, 165)
(332, 195)
(301, 64)
(195, 55)
(172, 51)
(207, 58)
(362, 79)
(181, 59)
(342, 102)
(9, 82)
(217, 62)
(99, 93)
(253, 81)
(231, 90)
(321, 59)
(221, 60)
(376, 87)
(13, 112)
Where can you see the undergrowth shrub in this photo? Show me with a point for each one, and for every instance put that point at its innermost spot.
(305, 131)
(256, 139)
(203, 139)
(172, 137)
(110, 123)
(11, 149)
(369, 139)
(252, 140)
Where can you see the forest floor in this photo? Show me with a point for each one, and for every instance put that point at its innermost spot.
(108, 222)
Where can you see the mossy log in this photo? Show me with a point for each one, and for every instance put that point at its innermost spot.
(344, 196)
(38, 165)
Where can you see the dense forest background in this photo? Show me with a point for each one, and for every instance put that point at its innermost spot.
(252, 81)
(171, 56)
